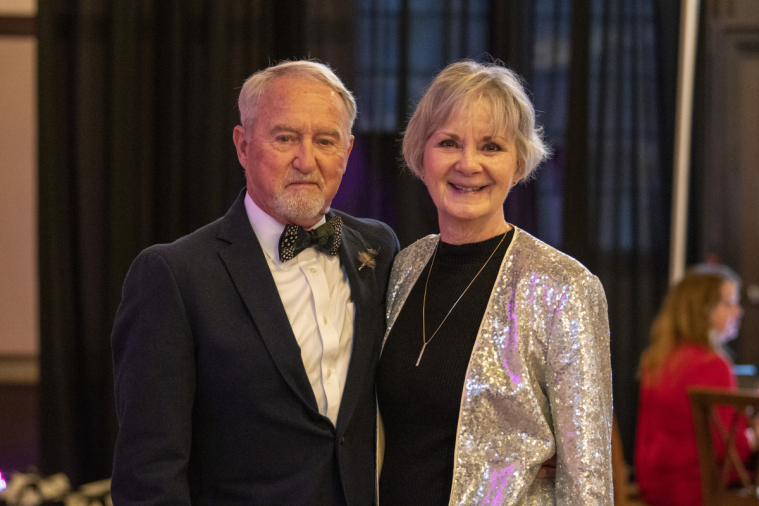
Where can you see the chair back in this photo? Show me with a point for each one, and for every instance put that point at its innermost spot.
(715, 475)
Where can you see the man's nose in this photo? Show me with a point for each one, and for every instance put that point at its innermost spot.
(305, 160)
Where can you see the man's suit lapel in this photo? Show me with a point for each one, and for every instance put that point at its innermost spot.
(363, 286)
(246, 263)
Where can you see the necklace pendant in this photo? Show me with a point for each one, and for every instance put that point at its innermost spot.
(420, 355)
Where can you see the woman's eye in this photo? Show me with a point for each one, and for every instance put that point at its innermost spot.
(491, 146)
(447, 143)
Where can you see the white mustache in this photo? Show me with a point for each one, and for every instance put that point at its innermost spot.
(297, 177)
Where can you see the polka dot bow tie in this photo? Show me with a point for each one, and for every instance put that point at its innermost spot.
(295, 239)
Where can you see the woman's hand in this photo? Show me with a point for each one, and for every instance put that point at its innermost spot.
(752, 433)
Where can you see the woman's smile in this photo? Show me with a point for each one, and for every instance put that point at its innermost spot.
(469, 170)
(467, 188)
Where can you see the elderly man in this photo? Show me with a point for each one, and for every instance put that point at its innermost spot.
(244, 353)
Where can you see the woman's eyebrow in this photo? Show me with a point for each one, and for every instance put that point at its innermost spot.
(446, 133)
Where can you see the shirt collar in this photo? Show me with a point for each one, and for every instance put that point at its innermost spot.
(267, 229)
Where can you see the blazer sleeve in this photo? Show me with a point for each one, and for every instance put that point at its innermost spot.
(579, 392)
(154, 378)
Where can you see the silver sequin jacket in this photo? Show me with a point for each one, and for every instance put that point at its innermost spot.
(538, 381)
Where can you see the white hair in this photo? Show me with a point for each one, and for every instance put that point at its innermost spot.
(460, 86)
(257, 84)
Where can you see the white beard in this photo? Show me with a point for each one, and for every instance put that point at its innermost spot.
(299, 205)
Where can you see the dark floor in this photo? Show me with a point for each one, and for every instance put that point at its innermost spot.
(18, 428)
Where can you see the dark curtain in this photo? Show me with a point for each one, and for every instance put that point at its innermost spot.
(512, 40)
(401, 46)
(618, 183)
(137, 102)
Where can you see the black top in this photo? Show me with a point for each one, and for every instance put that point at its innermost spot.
(420, 405)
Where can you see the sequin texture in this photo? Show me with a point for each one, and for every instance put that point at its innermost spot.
(538, 383)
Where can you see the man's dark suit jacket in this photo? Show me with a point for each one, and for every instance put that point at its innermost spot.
(213, 401)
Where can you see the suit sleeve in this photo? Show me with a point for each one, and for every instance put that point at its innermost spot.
(579, 393)
(154, 379)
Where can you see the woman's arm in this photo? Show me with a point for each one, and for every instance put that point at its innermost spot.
(579, 391)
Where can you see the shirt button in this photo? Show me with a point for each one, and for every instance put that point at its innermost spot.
(329, 373)
(342, 440)
(313, 269)
(325, 320)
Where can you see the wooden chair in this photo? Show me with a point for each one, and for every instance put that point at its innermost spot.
(714, 478)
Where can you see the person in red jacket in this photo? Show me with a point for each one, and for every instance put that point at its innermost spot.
(699, 314)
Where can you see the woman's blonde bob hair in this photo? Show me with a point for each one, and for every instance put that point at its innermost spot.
(257, 84)
(460, 86)
(685, 317)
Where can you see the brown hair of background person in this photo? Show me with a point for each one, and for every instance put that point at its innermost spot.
(685, 317)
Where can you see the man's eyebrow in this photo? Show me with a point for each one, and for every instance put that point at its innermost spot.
(283, 128)
(332, 132)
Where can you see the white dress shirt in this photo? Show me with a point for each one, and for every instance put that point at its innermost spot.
(314, 289)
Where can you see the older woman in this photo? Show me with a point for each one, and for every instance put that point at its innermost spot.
(699, 314)
(496, 356)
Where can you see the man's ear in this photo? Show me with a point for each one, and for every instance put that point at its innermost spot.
(241, 144)
(348, 151)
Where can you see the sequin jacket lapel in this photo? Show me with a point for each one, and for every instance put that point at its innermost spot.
(538, 382)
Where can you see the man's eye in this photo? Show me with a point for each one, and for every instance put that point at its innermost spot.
(284, 138)
(324, 142)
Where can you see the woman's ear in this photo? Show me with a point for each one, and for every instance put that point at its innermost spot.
(520, 172)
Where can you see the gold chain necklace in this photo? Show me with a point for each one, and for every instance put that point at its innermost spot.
(424, 301)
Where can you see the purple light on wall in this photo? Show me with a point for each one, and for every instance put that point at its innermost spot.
(2, 483)
(364, 191)
(354, 197)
